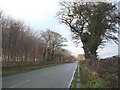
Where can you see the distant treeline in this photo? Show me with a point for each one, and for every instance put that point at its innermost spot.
(20, 46)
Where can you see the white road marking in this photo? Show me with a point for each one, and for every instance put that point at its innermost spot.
(44, 74)
(29, 80)
(72, 77)
(48, 72)
(20, 84)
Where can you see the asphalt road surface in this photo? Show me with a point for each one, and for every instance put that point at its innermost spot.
(51, 77)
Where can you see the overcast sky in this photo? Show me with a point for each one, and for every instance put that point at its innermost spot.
(41, 14)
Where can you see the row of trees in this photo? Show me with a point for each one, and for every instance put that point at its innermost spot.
(20, 46)
(92, 23)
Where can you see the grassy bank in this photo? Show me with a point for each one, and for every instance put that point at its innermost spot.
(90, 79)
(74, 82)
(102, 73)
(13, 71)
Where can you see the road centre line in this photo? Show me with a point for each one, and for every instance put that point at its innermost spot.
(29, 80)
(20, 84)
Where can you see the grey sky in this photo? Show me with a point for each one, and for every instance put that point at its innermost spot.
(41, 14)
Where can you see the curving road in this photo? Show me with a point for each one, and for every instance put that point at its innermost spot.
(51, 77)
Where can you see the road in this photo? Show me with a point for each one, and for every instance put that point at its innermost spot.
(51, 77)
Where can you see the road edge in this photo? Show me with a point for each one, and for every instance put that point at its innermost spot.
(70, 83)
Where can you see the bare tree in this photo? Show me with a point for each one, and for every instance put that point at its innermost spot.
(92, 23)
(53, 41)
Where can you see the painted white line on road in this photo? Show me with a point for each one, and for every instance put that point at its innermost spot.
(72, 77)
(20, 84)
(44, 74)
(48, 73)
(29, 80)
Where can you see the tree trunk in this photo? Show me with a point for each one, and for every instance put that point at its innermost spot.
(52, 54)
(86, 51)
(93, 58)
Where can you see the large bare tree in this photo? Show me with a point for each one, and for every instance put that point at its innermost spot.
(92, 23)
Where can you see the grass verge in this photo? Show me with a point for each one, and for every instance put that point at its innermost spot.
(90, 79)
(74, 83)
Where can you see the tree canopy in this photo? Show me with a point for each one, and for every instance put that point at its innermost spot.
(53, 41)
(22, 47)
(92, 23)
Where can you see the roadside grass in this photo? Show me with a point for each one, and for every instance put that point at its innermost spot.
(98, 83)
(74, 83)
(14, 71)
(90, 79)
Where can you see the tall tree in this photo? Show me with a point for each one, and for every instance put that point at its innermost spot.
(92, 23)
(53, 41)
